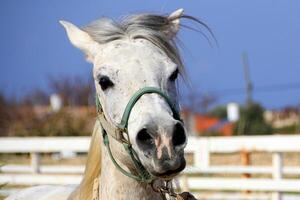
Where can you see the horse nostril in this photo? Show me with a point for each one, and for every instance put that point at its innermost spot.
(179, 137)
(144, 139)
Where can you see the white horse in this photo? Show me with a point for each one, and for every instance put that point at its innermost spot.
(136, 61)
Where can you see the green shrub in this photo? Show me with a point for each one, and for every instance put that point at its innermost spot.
(252, 121)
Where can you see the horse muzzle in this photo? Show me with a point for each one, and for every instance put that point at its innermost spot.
(167, 167)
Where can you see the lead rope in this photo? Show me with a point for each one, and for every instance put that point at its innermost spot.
(163, 191)
(166, 191)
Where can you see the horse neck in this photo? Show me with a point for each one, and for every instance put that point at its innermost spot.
(114, 184)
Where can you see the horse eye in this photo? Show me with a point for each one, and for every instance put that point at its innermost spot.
(174, 75)
(105, 82)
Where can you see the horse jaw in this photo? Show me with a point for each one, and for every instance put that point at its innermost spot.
(115, 185)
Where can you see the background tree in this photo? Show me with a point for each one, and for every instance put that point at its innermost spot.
(252, 121)
(219, 112)
(5, 114)
(198, 102)
(73, 91)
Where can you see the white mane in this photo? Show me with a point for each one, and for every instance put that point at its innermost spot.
(144, 26)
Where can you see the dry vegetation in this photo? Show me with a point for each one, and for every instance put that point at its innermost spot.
(46, 159)
(32, 116)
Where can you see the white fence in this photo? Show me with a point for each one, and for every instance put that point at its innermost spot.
(201, 148)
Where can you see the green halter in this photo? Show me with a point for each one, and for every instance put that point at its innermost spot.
(117, 132)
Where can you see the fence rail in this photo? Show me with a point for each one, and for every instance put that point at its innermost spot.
(201, 148)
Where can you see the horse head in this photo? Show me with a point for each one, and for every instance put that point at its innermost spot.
(139, 52)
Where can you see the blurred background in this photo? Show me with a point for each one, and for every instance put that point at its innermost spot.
(255, 64)
(246, 83)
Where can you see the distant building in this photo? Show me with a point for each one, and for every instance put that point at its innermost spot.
(233, 112)
(56, 102)
(198, 124)
(282, 118)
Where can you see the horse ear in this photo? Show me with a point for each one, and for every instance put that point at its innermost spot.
(81, 40)
(174, 19)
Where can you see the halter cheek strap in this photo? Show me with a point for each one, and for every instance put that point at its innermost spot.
(114, 131)
(118, 132)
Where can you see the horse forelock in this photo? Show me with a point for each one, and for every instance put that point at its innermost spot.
(150, 27)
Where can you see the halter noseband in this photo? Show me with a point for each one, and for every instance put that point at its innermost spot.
(117, 132)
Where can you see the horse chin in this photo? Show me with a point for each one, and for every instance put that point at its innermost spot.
(168, 173)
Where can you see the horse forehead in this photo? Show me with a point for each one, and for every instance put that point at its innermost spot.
(134, 53)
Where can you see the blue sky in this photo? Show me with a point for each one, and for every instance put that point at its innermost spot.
(34, 45)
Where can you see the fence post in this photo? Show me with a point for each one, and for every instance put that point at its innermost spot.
(184, 183)
(201, 155)
(277, 172)
(245, 161)
(35, 162)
